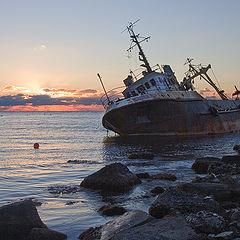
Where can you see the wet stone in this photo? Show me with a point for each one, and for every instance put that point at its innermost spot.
(20, 221)
(224, 235)
(137, 225)
(110, 210)
(206, 222)
(164, 176)
(71, 202)
(236, 215)
(157, 190)
(74, 161)
(140, 164)
(45, 234)
(17, 219)
(174, 199)
(141, 155)
(232, 159)
(212, 178)
(223, 168)
(201, 165)
(219, 191)
(114, 178)
(143, 175)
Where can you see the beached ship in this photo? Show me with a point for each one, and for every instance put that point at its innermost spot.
(157, 104)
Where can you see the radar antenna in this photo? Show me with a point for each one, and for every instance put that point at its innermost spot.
(135, 42)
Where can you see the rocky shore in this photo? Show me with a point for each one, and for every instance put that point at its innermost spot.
(207, 208)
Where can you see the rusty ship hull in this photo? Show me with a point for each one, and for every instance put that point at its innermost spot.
(174, 117)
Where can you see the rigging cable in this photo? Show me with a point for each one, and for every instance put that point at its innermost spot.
(219, 84)
(216, 78)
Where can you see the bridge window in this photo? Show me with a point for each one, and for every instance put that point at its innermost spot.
(147, 85)
(141, 89)
(152, 81)
(128, 95)
(134, 93)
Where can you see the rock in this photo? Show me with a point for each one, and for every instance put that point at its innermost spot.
(219, 191)
(224, 235)
(20, 220)
(141, 155)
(17, 219)
(182, 201)
(74, 161)
(113, 178)
(110, 210)
(146, 196)
(143, 175)
(212, 178)
(71, 202)
(237, 148)
(222, 168)
(45, 234)
(164, 176)
(157, 190)
(201, 164)
(232, 159)
(235, 216)
(37, 203)
(206, 222)
(169, 228)
(91, 234)
(140, 164)
(137, 225)
(233, 181)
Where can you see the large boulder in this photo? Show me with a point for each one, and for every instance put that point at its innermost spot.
(137, 225)
(219, 191)
(113, 178)
(201, 165)
(18, 219)
(175, 199)
(45, 234)
(206, 222)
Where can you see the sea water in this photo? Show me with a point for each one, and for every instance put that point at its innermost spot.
(45, 175)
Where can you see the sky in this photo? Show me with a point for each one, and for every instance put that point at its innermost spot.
(52, 50)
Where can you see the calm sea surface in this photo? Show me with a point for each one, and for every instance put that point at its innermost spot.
(42, 174)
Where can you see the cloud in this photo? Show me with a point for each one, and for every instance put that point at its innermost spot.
(205, 90)
(40, 48)
(12, 100)
(20, 99)
(43, 100)
(13, 90)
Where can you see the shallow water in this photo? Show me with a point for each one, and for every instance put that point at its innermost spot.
(43, 173)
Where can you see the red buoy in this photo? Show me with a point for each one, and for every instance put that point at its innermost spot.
(36, 145)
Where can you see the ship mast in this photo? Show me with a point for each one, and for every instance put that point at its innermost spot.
(135, 39)
(195, 71)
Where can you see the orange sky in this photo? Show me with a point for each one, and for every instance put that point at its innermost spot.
(52, 108)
